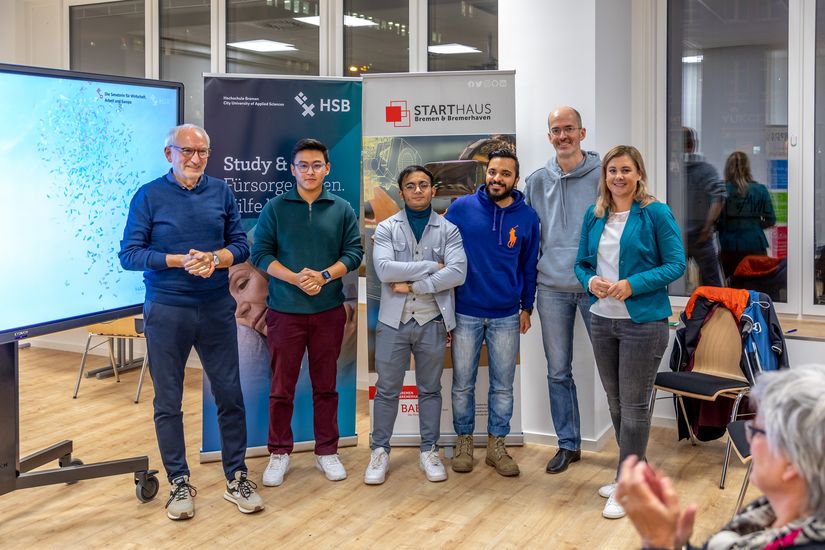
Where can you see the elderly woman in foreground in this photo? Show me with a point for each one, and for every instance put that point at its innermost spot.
(787, 440)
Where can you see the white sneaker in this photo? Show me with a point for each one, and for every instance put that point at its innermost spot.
(432, 466)
(377, 468)
(331, 466)
(612, 509)
(606, 491)
(276, 470)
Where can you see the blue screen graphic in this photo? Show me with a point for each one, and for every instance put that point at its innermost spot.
(73, 152)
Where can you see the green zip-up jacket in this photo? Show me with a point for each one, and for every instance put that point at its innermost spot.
(302, 235)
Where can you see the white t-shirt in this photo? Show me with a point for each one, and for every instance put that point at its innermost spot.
(607, 266)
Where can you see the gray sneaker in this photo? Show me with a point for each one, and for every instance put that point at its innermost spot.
(241, 491)
(181, 504)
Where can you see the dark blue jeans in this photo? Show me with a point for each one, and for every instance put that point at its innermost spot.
(171, 331)
(628, 355)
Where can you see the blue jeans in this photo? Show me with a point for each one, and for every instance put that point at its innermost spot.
(557, 311)
(502, 337)
(628, 355)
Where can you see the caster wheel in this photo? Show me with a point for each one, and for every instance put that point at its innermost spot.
(146, 490)
(74, 462)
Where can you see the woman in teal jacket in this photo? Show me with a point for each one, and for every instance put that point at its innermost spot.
(630, 250)
(748, 212)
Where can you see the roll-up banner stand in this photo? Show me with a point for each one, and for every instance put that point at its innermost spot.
(253, 122)
(448, 122)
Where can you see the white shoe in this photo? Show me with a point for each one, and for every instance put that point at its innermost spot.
(432, 466)
(612, 509)
(377, 468)
(331, 466)
(606, 491)
(276, 470)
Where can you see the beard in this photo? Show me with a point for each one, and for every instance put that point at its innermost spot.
(495, 197)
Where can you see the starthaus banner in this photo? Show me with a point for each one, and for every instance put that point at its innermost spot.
(253, 123)
(447, 122)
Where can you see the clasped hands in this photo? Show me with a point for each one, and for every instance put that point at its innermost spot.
(309, 280)
(650, 501)
(602, 288)
(199, 264)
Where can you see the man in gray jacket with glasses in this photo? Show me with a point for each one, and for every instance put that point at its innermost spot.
(419, 259)
(560, 193)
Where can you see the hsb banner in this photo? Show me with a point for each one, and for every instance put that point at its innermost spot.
(447, 122)
(253, 122)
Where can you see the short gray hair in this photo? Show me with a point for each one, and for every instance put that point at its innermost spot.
(791, 404)
(172, 136)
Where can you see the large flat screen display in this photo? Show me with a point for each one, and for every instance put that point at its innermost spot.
(73, 150)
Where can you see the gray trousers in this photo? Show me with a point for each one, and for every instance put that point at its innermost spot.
(627, 356)
(393, 348)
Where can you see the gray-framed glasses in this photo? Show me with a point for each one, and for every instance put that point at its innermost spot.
(303, 167)
(423, 185)
(567, 130)
(188, 152)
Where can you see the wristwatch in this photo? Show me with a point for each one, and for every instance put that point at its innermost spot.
(327, 277)
(529, 311)
(216, 259)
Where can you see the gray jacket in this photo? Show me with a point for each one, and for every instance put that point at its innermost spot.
(561, 200)
(393, 255)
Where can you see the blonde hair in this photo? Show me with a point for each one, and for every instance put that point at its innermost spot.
(604, 202)
(738, 171)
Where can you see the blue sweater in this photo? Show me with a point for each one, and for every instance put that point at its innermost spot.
(651, 256)
(166, 219)
(502, 246)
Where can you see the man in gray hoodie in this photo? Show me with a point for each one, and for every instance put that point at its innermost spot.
(560, 193)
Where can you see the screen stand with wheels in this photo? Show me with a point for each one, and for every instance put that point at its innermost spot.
(16, 473)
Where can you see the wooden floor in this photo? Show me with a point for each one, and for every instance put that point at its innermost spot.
(476, 510)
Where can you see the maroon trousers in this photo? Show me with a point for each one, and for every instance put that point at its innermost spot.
(288, 336)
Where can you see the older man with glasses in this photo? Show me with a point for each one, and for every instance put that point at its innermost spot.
(183, 232)
(306, 240)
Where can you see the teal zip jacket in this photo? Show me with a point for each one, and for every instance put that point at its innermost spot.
(302, 235)
(651, 256)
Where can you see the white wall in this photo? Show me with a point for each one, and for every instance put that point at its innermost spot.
(33, 32)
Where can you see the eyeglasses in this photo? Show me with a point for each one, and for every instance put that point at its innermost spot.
(188, 152)
(567, 130)
(751, 430)
(303, 167)
(423, 185)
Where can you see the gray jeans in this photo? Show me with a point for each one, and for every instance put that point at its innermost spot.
(392, 359)
(627, 356)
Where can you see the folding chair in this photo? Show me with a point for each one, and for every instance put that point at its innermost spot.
(717, 370)
(739, 440)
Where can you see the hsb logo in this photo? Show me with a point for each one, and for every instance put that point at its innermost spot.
(334, 105)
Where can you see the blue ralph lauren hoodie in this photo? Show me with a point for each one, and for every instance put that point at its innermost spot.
(502, 247)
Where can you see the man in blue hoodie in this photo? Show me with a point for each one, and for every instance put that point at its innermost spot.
(501, 241)
(560, 192)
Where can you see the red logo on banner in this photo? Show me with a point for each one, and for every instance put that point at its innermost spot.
(398, 113)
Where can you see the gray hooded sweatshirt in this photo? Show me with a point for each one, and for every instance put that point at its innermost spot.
(561, 201)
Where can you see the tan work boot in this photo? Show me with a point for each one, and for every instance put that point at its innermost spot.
(463, 458)
(498, 458)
